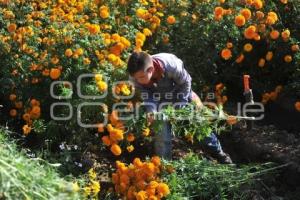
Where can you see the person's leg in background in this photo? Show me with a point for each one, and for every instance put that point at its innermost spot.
(212, 144)
(163, 141)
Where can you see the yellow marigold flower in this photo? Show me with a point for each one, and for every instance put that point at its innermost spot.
(102, 86)
(116, 37)
(130, 148)
(68, 53)
(285, 34)
(92, 174)
(284, 1)
(116, 150)
(86, 61)
(274, 34)
(98, 77)
(95, 187)
(139, 42)
(104, 12)
(26, 129)
(79, 51)
(288, 58)
(248, 47)
(226, 54)
(55, 73)
(261, 62)
(269, 56)
(140, 36)
(146, 132)
(94, 29)
(147, 32)
(12, 27)
(297, 106)
(246, 13)
(171, 19)
(141, 12)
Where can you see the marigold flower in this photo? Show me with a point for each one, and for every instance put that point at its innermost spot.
(146, 132)
(226, 54)
(141, 195)
(288, 58)
(130, 137)
(104, 12)
(295, 47)
(240, 20)
(171, 19)
(12, 27)
(231, 120)
(261, 62)
(269, 56)
(250, 32)
(55, 73)
(240, 58)
(297, 106)
(116, 150)
(248, 47)
(106, 141)
(163, 188)
(274, 34)
(13, 112)
(246, 13)
(26, 117)
(258, 4)
(102, 86)
(147, 32)
(12, 97)
(26, 129)
(285, 34)
(219, 11)
(68, 52)
(259, 15)
(130, 148)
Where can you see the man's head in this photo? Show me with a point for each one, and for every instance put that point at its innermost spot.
(140, 67)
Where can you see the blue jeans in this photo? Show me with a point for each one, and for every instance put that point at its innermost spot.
(163, 142)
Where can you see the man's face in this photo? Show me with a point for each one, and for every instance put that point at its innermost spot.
(144, 77)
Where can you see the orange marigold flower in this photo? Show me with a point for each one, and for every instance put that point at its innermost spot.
(13, 112)
(246, 13)
(163, 188)
(106, 141)
(250, 32)
(171, 19)
(258, 4)
(104, 12)
(68, 52)
(226, 54)
(297, 106)
(130, 137)
(26, 129)
(240, 58)
(12, 27)
(55, 73)
(219, 11)
(274, 34)
(155, 160)
(240, 20)
(248, 47)
(295, 47)
(259, 15)
(229, 45)
(231, 120)
(269, 56)
(285, 34)
(261, 62)
(12, 97)
(141, 195)
(116, 149)
(288, 58)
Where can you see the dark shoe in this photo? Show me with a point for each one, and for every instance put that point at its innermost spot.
(223, 158)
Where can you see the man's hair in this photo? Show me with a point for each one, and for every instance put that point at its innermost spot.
(137, 61)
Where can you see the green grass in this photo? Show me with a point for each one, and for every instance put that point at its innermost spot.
(22, 177)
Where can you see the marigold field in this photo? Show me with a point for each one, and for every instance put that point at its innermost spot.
(63, 69)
